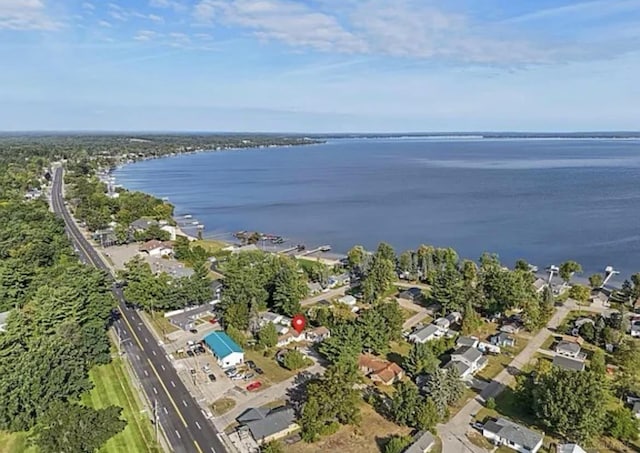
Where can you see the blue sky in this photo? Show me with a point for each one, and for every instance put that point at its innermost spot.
(320, 65)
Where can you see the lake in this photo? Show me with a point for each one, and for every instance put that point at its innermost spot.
(544, 200)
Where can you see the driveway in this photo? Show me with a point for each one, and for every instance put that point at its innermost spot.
(422, 312)
(337, 292)
(453, 433)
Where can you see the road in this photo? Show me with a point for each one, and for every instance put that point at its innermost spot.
(328, 295)
(453, 433)
(185, 426)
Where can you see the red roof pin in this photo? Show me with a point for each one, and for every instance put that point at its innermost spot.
(298, 322)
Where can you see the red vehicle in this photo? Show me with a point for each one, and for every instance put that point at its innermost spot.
(213, 320)
(254, 386)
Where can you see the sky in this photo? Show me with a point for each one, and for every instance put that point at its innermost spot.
(320, 65)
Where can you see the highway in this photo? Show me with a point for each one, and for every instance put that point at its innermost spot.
(186, 427)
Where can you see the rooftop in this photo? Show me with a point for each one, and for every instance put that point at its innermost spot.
(567, 346)
(514, 433)
(264, 422)
(568, 364)
(570, 448)
(426, 332)
(467, 353)
(220, 343)
(422, 442)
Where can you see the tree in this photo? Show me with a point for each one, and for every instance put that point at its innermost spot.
(471, 320)
(547, 303)
(404, 403)
(268, 336)
(397, 444)
(420, 359)
(622, 425)
(74, 428)
(344, 344)
(444, 387)
(596, 280)
(295, 360)
(580, 293)
(490, 403)
(236, 335)
(570, 403)
(272, 447)
(381, 274)
(448, 289)
(568, 269)
(289, 288)
(356, 257)
(598, 364)
(588, 332)
(522, 265)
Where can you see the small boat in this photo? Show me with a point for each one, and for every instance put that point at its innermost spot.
(188, 216)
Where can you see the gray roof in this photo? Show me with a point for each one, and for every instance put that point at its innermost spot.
(423, 441)
(514, 433)
(568, 364)
(460, 367)
(254, 413)
(636, 408)
(567, 346)
(412, 292)
(4, 316)
(143, 224)
(468, 353)
(570, 448)
(275, 421)
(503, 337)
(425, 332)
(466, 341)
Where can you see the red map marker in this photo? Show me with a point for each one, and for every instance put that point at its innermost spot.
(298, 322)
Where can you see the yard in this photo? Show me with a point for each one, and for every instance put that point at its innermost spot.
(112, 387)
(499, 362)
(222, 406)
(160, 324)
(369, 436)
(273, 372)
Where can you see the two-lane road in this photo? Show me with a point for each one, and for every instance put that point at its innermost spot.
(186, 428)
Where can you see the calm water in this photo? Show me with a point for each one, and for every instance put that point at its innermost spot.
(542, 200)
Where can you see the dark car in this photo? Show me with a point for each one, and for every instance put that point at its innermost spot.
(258, 370)
(190, 353)
(193, 330)
(212, 377)
(251, 364)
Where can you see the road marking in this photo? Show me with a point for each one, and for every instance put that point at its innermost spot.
(166, 390)
(153, 352)
(145, 340)
(155, 391)
(165, 410)
(178, 434)
(173, 384)
(138, 356)
(162, 366)
(139, 329)
(185, 403)
(145, 373)
(198, 425)
(197, 446)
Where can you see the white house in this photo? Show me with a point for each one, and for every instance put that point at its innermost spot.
(427, 333)
(157, 248)
(224, 349)
(348, 300)
(3, 320)
(514, 436)
(569, 448)
(466, 361)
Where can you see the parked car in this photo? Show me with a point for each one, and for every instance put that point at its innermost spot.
(190, 353)
(251, 364)
(478, 426)
(231, 371)
(193, 330)
(254, 386)
(213, 320)
(237, 377)
(249, 376)
(212, 377)
(258, 370)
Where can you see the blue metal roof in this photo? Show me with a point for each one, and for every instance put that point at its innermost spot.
(220, 343)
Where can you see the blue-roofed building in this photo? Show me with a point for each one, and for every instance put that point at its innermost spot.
(224, 349)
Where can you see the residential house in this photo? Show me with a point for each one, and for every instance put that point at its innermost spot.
(601, 296)
(224, 349)
(142, 224)
(270, 317)
(105, 238)
(318, 334)
(314, 335)
(512, 435)
(467, 361)
(339, 280)
(455, 317)
(568, 349)
(266, 425)
(412, 294)
(380, 370)
(567, 363)
(539, 285)
(636, 409)
(443, 323)
(348, 300)
(472, 342)
(634, 329)
(569, 448)
(582, 321)
(511, 326)
(4, 316)
(486, 348)
(314, 288)
(427, 333)
(216, 291)
(422, 442)
(157, 248)
(503, 339)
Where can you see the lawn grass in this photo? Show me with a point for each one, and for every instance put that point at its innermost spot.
(15, 443)
(210, 245)
(398, 350)
(499, 362)
(479, 440)
(273, 372)
(406, 313)
(113, 387)
(222, 406)
(160, 324)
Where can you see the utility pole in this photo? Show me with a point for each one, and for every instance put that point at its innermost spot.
(155, 419)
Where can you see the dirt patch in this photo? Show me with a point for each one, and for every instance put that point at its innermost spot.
(222, 406)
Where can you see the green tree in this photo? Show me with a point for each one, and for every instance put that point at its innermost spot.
(404, 403)
(289, 288)
(490, 403)
(397, 444)
(588, 332)
(295, 360)
(568, 269)
(471, 320)
(356, 257)
(570, 403)
(272, 447)
(236, 335)
(420, 359)
(596, 280)
(405, 262)
(580, 293)
(74, 428)
(268, 336)
(622, 425)
(598, 364)
(380, 276)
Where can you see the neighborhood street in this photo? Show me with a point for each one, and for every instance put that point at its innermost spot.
(453, 433)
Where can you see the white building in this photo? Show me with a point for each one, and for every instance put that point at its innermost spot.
(224, 349)
(514, 436)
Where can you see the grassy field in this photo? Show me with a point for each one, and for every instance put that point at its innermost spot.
(222, 406)
(499, 362)
(369, 436)
(15, 443)
(113, 387)
(273, 372)
(160, 324)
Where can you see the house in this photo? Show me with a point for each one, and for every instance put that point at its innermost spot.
(601, 296)
(224, 349)
(567, 363)
(156, 248)
(318, 334)
(315, 335)
(582, 321)
(427, 333)
(472, 342)
(539, 285)
(569, 448)
(380, 370)
(347, 300)
(634, 329)
(269, 317)
(511, 326)
(455, 317)
(443, 323)
(288, 337)
(636, 409)
(485, 347)
(503, 339)
(216, 291)
(266, 425)
(422, 442)
(339, 280)
(412, 294)
(568, 349)
(467, 361)
(514, 436)
(142, 224)
(314, 287)
(4, 316)
(106, 237)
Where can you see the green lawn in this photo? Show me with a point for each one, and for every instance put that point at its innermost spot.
(113, 387)
(499, 362)
(15, 443)
(273, 372)
(160, 324)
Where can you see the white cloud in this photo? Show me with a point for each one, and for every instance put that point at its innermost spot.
(155, 18)
(145, 35)
(26, 15)
(174, 4)
(105, 24)
(88, 5)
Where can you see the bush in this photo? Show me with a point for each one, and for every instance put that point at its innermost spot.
(490, 404)
(397, 444)
(295, 360)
